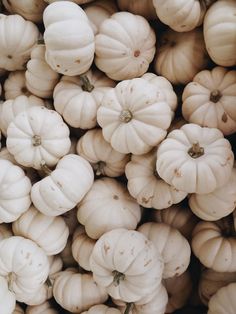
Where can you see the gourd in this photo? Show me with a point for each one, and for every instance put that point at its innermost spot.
(107, 206)
(64, 187)
(209, 99)
(126, 264)
(7, 297)
(223, 302)
(17, 38)
(103, 158)
(68, 51)
(78, 98)
(195, 159)
(139, 7)
(38, 135)
(124, 46)
(14, 193)
(219, 32)
(131, 106)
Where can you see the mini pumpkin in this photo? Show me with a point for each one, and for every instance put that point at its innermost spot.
(223, 302)
(15, 85)
(7, 297)
(102, 309)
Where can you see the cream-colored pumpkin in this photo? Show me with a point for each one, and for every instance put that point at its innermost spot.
(179, 290)
(7, 297)
(211, 281)
(24, 264)
(181, 15)
(102, 309)
(177, 216)
(34, 225)
(129, 108)
(99, 10)
(107, 206)
(146, 186)
(180, 56)
(124, 46)
(165, 89)
(40, 77)
(10, 108)
(15, 85)
(68, 51)
(5, 231)
(224, 301)
(217, 204)
(77, 292)
(15, 189)
(18, 310)
(173, 247)
(17, 38)
(195, 159)
(44, 308)
(127, 264)
(65, 187)
(215, 246)
(82, 246)
(140, 7)
(103, 158)
(31, 10)
(38, 135)
(78, 98)
(219, 32)
(209, 100)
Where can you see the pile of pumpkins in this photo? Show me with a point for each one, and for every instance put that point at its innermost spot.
(117, 172)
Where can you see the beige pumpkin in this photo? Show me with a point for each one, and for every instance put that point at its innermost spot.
(5, 231)
(124, 46)
(44, 308)
(131, 106)
(219, 32)
(224, 301)
(215, 246)
(7, 297)
(211, 281)
(68, 51)
(78, 98)
(15, 85)
(34, 225)
(146, 186)
(209, 99)
(173, 247)
(107, 206)
(195, 159)
(180, 56)
(126, 264)
(82, 246)
(103, 158)
(77, 292)
(38, 135)
(17, 38)
(40, 78)
(102, 309)
(177, 216)
(140, 7)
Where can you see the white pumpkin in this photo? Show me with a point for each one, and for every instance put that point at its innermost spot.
(15, 85)
(40, 77)
(24, 264)
(126, 264)
(132, 106)
(146, 186)
(64, 187)
(38, 135)
(7, 297)
(78, 98)
(15, 189)
(102, 309)
(17, 38)
(195, 159)
(224, 301)
(140, 7)
(34, 225)
(103, 158)
(107, 206)
(124, 46)
(44, 308)
(209, 99)
(68, 51)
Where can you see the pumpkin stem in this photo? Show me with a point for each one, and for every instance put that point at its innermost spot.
(126, 116)
(36, 140)
(128, 308)
(45, 168)
(41, 41)
(86, 85)
(117, 277)
(98, 167)
(215, 96)
(11, 277)
(196, 150)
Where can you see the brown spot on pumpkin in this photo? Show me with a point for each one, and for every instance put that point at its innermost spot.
(146, 200)
(106, 248)
(77, 61)
(137, 53)
(177, 173)
(169, 202)
(59, 184)
(147, 263)
(9, 56)
(58, 65)
(224, 117)
(115, 197)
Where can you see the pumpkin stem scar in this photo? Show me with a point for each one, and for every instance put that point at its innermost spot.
(86, 85)
(126, 116)
(128, 308)
(117, 277)
(215, 96)
(36, 140)
(45, 168)
(196, 150)
(99, 168)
